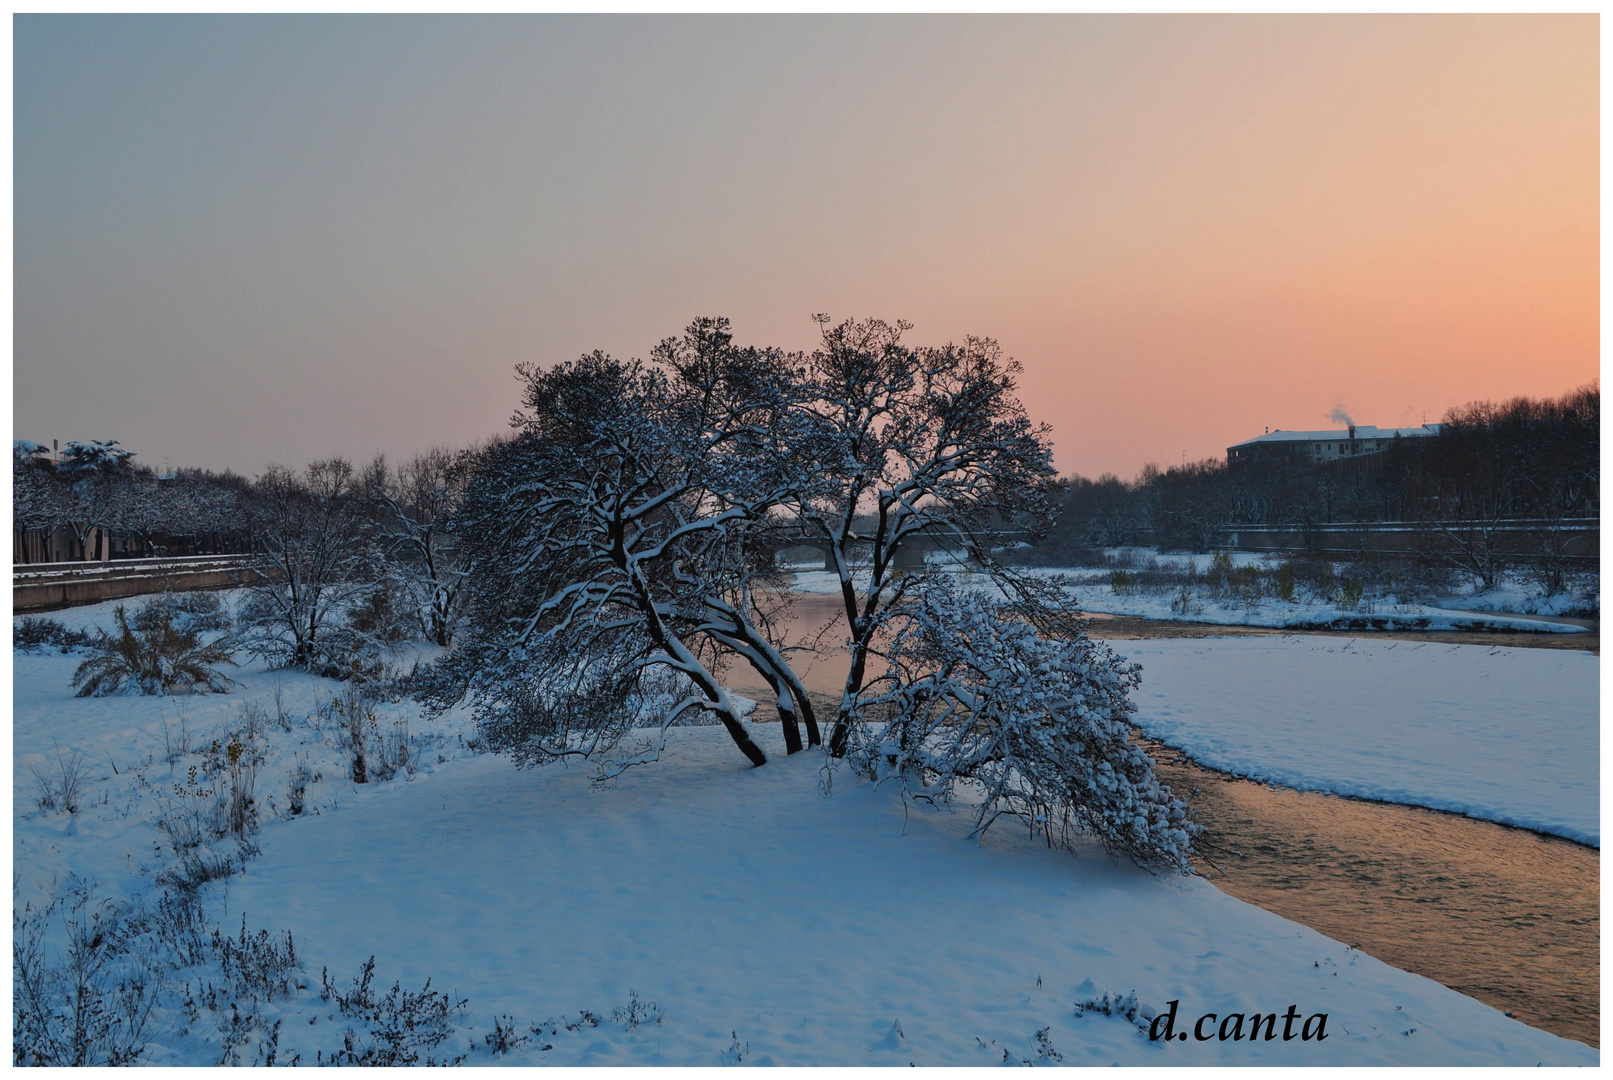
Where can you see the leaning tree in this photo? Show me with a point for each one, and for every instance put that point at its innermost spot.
(610, 543)
(619, 552)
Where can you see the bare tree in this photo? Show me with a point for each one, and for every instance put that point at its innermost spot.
(314, 558)
(420, 498)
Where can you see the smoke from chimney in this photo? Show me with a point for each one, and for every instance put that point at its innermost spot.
(1341, 416)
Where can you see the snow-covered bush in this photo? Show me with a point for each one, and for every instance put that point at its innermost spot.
(201, 611)
(151, 654)
(378, 616)
(979, 697)
(401, 1028)
(36, 632)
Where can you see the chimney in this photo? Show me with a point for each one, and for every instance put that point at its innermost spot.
(1352, 432)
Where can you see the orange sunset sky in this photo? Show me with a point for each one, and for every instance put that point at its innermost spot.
(243, 240)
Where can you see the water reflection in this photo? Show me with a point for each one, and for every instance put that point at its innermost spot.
(1500, 914)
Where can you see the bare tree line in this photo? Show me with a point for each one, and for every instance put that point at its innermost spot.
(1526, 459)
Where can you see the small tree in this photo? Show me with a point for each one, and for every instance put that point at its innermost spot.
(314, 559)
(419, 500)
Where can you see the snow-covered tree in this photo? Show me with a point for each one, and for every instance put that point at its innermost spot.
(37, 498)
(314, 559)
(626, 533)
(95, 456)
(30, 454)
(979, 700)
(418, 501)
(603, 537)
(912, 445)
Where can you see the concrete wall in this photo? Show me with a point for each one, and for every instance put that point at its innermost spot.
(39, 589)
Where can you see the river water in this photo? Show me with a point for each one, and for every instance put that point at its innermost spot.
(1503, 915)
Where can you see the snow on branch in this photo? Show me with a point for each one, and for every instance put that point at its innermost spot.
(1036, 726)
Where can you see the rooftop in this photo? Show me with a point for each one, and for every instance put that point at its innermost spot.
(1362, 431)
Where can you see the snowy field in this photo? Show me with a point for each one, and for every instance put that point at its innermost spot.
(691, 912)
(1509, 735)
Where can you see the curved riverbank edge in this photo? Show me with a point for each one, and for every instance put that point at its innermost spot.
(1503, 914)
(1354, 793)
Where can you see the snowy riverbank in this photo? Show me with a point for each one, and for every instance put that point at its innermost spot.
(1508, 735)
(1092, 591)
(767, 923)
(809, 930)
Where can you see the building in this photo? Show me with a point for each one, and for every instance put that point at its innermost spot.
(1318, 447)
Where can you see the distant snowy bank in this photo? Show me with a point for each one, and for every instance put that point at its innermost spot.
(1283, 615)
(1093, 593)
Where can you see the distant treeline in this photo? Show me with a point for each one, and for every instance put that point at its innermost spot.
(94, 501)
(1521, 459)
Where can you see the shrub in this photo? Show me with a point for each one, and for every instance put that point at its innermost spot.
(238, 759)
(36, 632)
(377, 617)
(257, 966)
(1285, 581)
(201, 611)
(88, 1004)
(57, 787)
(151, 654)
(401, 1026)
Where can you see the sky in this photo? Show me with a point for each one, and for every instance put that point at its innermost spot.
(243, 240)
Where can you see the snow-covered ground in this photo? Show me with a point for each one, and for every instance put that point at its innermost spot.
(134, 750)
(767, 923)
(1305, 614)
(1093, 592)
(1513, 595)
(1509, 735)
(817, 931)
